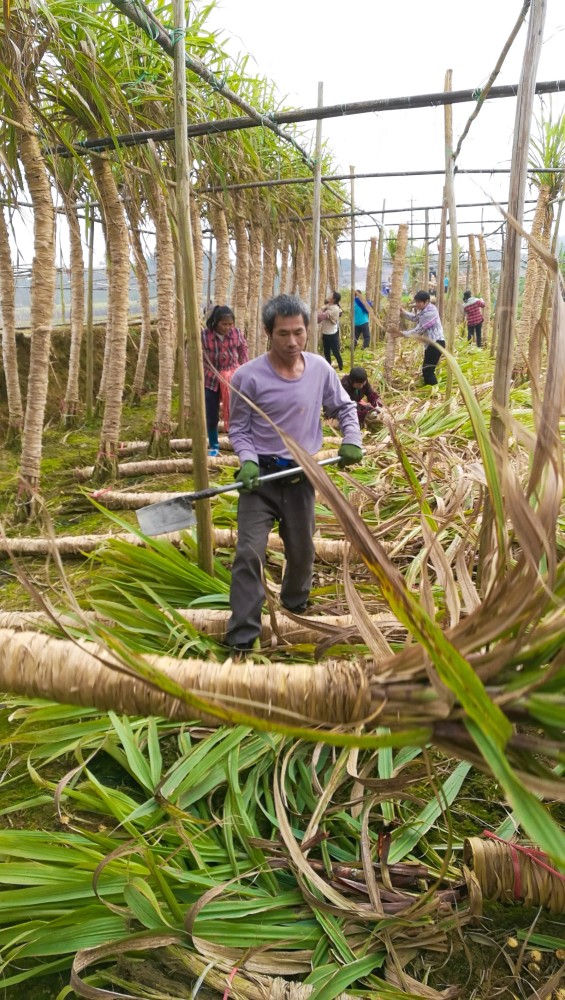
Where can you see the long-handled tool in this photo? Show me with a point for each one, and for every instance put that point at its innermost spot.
(177, 513)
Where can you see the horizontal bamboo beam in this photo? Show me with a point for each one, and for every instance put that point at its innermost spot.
(284, 181)
(298, 116)
(395, 211)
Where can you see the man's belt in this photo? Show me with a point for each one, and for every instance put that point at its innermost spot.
(274, 463)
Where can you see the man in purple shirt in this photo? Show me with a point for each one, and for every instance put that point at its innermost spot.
(290, 387)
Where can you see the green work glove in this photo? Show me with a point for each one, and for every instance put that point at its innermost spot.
(350, 454)
(249, 476)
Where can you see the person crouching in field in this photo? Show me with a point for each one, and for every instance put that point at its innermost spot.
(428, 325)
(359, 389)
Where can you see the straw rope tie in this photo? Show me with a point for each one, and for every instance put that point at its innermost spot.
(506, 871)
(535, 856)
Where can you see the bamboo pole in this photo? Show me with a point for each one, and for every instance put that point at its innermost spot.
(441, 255)
(426, 284)
(316, 209)
(191, 304)
(398, 211)
(285, 181)
(510, 274)
(181, 344)
(484, 91)
(301, 115)
(379, 277)
(209, 275)
(89, 333)
(352, 224)
(451, 309)
(485, 286)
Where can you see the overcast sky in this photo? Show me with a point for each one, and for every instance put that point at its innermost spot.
(364, 50)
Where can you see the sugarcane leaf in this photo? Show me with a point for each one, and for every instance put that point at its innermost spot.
(137, 762)
(405, 839)
(144, 905)
(348, 975)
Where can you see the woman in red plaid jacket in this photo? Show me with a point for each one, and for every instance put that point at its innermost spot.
(473, 309)
(224, 348)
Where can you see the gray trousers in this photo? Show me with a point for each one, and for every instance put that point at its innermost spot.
(293, 507)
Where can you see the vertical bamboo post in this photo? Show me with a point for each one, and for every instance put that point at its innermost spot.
(509, 279)
(181, 345)
(371, 288)
(379, 277)
(441, 255)
(191, 305)
(352, 196)
(209, 276)
(317, 199)
(485, 286)
(451, 306)
(89, 333)
(62, 289)
(426, 285)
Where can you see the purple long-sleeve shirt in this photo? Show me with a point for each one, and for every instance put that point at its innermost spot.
(294, 404)
(428, 323)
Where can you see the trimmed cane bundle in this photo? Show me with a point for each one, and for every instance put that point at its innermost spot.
(508, 872)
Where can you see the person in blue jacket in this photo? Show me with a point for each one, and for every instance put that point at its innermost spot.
(361, 318)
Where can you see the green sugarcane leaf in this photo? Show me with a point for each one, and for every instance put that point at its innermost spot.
(405, 839)
(347, 976)
(139, 766)
(144, 905)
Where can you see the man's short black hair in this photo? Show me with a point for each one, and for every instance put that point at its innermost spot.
(422, 297)
(284, 305)
(336, 297)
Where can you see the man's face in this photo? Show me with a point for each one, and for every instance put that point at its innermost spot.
(419, 306)
(288, 338)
